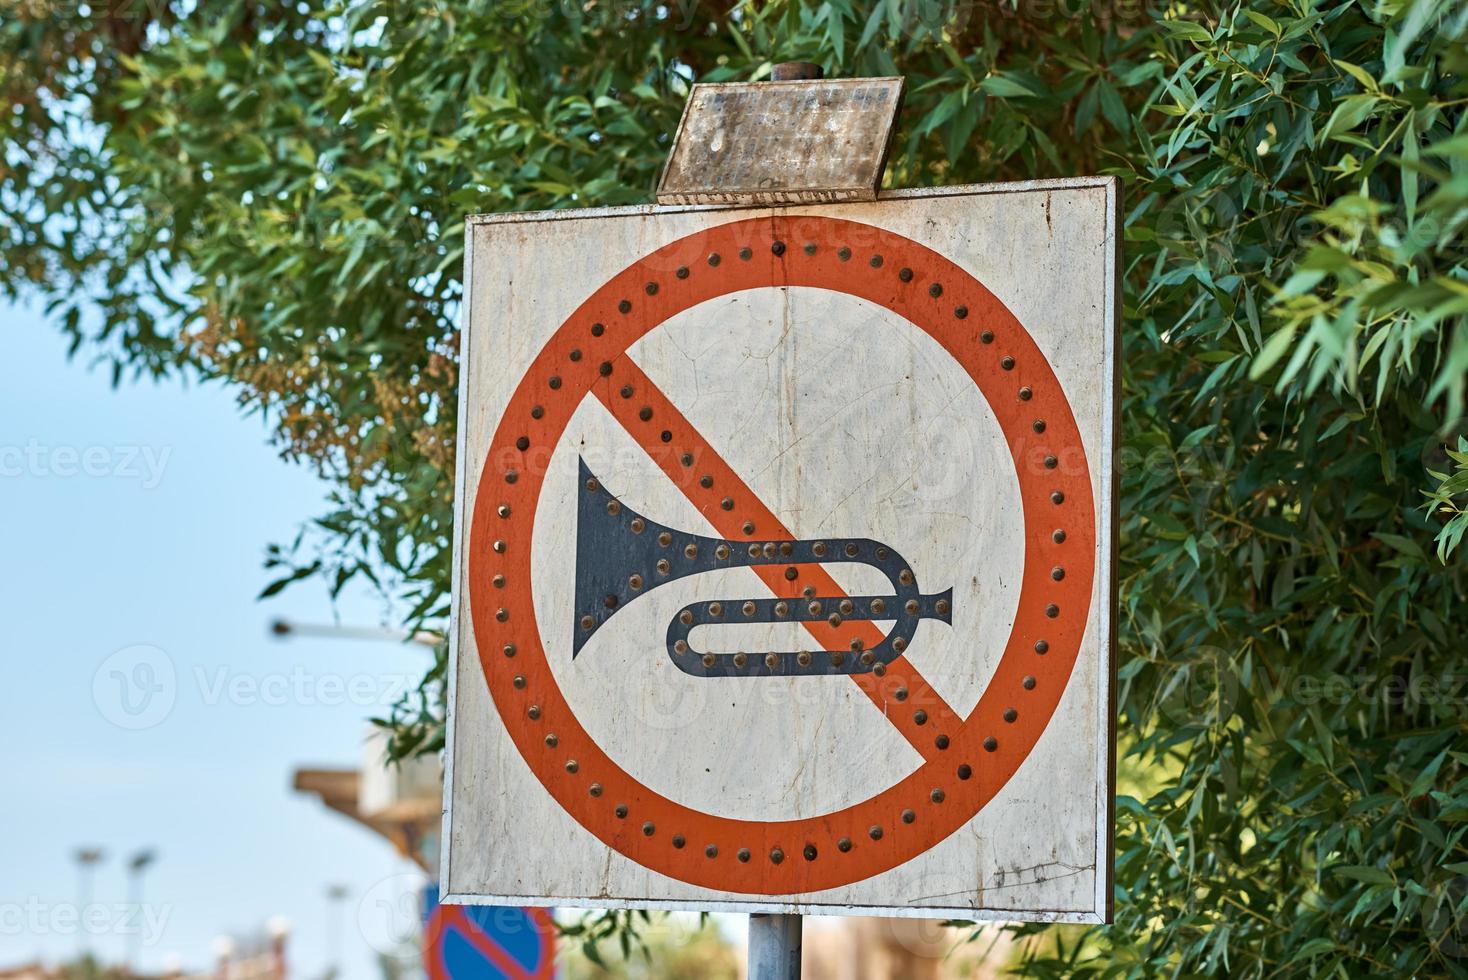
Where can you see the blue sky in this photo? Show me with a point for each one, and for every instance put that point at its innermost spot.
(133, 522)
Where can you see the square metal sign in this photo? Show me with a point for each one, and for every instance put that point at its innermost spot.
(784, 557)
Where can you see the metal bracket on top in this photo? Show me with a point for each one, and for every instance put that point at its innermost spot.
(797, 139)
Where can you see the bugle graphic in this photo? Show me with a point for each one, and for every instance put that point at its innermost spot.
(621, 555)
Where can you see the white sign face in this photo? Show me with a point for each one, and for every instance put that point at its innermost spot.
(784, 557)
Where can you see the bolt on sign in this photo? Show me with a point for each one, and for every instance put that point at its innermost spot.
(784, 556)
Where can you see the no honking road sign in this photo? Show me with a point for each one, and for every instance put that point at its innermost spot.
(784, 557)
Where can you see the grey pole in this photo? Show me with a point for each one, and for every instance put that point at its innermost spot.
(774, 940)
(774, 947)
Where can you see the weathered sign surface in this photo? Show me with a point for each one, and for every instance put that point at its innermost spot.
(807, 141)
(784, 552)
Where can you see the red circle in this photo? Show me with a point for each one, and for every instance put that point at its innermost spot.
(944, 793)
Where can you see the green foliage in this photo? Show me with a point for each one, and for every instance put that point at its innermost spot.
(272, 198)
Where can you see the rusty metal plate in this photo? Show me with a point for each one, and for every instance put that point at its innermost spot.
(797, 142)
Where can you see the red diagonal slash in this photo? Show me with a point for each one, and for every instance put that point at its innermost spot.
(733, 508)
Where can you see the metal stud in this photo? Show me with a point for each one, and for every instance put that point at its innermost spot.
(536, 411)
(663, 566)
(614, 507)
(810, 248)
(740, 659)
(1058, 537)
(554, 382)
(511, 476)
(991, 743)
(1007, 363)
(727, 503)
(910, 607)
(499, 581)
(625, 306)
(879, 606)
(635, 581)
(777, 247)
(712, 851)
(936, 796)
(1038, 425)
(597, 329)
(691, 551)
(837, 658)
(876, 262)
(686, 617)
(987, 336)
(1029, 683)
(746, 254)
(1052, 610)
(637, 525)
(709, 660)
(965, 771)
(686, 459)
(533, 712)
(551, 741)
(754, 551)
(899, 645)
(961, 312)
(1057, 497)
(847, 607)
(748, 527)
(941, 606)
(1057, 573)
(787, 549)
(651, 289)
(682, 272)
(748, 609)
(743, 852)
(875, 833)
(900, 694)
(648, 829)
(819, 549)
(713, 258)
(809, 852)
(905, 274)
(905, 576)
(908, 816)
(851, 550)
(665, 539)
(621, 811)
(941, 742)
(519, 682)
(1042, 647)
(644, 413)
(572, 766)
(594, 789)
(814, 608)
(803, 658)
(680, 646)
(771, 661)
(1025, 394)
(501, 614)
(777, 855)
(721, 552)
(604, 368)
(1010, 715)
(716, 609)
(503, 510)
(509, 650)
(679, 841)
(843, 845)
(920, 717)
(705, 481)
(935, 290)
(843, 253)
(666, 436)
(791, 574)
(1051, 462)
(782, 609)
(587, 622)
(575, 354)
(770, 550)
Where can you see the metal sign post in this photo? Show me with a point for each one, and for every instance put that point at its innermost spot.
(784, 538)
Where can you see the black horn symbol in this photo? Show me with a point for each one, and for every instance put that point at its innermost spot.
(620, 555)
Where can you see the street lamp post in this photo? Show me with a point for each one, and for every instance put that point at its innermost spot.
(136, 865)
(87, 859)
